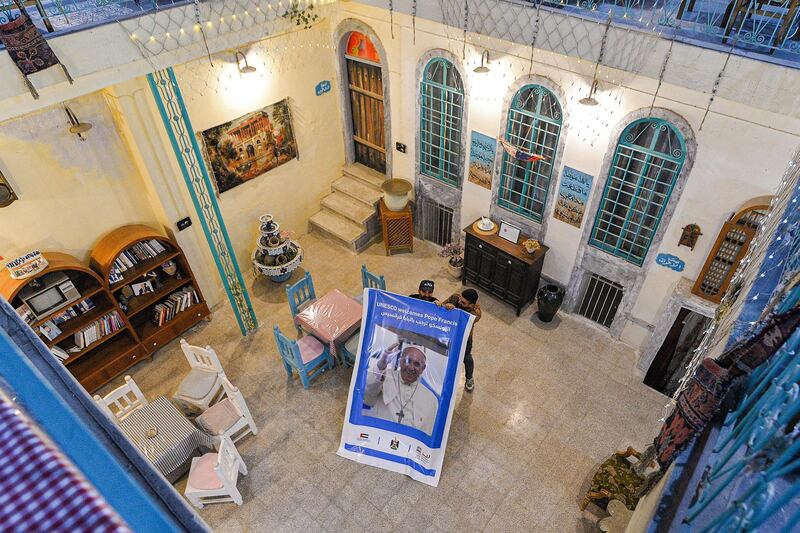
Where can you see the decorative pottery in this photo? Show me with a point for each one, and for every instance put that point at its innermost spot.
(275, 255)
(395, 193)
(549, 299)
(531, 245)
(455, 270)
(169, 268)
(485, 224)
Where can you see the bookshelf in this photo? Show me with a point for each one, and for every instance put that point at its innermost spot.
(132, 255)
(117, 349)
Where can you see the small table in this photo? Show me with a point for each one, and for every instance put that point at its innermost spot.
(398, 228)
(332, 319)
(165, 437)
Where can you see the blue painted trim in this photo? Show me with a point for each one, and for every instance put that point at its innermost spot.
(390, 457)
(68, 432)
(196, 201)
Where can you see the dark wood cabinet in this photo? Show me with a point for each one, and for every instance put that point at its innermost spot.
(502, 268)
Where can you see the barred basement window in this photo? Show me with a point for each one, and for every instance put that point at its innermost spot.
(728, 251)
(647, 161)
(534, 126)
(437, 222)
(600, 300)
(442, 109)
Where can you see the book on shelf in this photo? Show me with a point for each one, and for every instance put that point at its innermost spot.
(74, 311)
(141, 251)
(175, 303)
(102, 327)
(26, 314)
(59, 353)
(50, 330)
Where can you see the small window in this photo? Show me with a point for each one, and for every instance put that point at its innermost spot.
(646, 165)
(600, 300)
(437, 222)
(534, 126)
(442, 111)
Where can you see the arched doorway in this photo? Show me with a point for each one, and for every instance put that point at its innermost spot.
(364, 78)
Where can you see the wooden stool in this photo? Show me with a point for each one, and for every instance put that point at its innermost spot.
(398, 228)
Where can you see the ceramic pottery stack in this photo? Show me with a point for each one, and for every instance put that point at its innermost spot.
(275, 255)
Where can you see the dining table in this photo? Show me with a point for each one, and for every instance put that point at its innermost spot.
(166, 437)
(332, 319)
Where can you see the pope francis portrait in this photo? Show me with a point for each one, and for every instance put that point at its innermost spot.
(395, 390)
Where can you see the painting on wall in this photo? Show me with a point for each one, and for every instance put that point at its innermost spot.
(481, 159)
(572, 196)
(246, 147)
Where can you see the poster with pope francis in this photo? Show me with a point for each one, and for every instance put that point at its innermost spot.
(404, 383)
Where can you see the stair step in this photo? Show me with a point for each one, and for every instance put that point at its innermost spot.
(364, 173)
(348, 207)
(338, 226)
(358, 190)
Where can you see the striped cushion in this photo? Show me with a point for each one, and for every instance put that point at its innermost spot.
(310, 348)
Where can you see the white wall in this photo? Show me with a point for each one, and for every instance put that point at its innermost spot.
(741, 151)
(71, 192)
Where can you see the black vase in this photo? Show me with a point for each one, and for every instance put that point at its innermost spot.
(549, 299)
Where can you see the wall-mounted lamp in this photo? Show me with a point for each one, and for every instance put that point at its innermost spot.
(483, 68)
(78, 128)
(246, 69)
(590, 100)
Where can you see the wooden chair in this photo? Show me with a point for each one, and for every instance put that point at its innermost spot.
(350, 349)
(229, 418)
(122, 401)
(307, 356)
(371, 281)
(203, 385)
(213, 477)
(300, 295)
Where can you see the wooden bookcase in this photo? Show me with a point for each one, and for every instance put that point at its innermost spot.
(107, 356)
(138, 310)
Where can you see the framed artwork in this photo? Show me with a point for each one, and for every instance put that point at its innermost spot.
(481, 159)
(246, 147)
(573, 193)
(509, 232)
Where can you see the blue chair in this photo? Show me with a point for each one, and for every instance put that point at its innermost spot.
(370, 280)
(300, 293)
(307, 356)
(349, 349)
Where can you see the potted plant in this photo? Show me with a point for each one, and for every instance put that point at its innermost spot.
(455, 252)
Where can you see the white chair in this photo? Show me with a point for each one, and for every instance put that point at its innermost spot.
(213, 477)
(229, 418)
(203, 385)
(122, 401)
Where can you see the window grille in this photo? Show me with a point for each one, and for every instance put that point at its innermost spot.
(600, 301)
(437, 222)
(647, 161)
(728, 251)
(442, 101)
(534, 126)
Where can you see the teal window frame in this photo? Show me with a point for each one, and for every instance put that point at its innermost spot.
(648, 159)
(535, 129)
(441, 122)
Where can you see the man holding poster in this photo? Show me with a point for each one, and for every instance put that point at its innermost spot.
(403, 386)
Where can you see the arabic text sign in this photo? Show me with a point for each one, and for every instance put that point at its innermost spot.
(572, 196)
(481, 159)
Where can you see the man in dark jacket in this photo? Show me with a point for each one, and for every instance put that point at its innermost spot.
(467, 301)
(425, 291)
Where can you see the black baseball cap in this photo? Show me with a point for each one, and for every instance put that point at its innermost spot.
(426, 285)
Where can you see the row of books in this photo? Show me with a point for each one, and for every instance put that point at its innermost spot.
(74, 311)
(98, 329)
(141, 251)
(174, 304)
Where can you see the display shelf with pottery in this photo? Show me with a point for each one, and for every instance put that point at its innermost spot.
(395, 193)
(275, 256)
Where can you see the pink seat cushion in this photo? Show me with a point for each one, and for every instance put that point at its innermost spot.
(219, 417)
(310, 348)
(202, 475)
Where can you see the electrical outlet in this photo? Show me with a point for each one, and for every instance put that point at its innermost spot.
(184, 223)
(400, 147)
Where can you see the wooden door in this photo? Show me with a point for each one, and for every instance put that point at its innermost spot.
(365, 85)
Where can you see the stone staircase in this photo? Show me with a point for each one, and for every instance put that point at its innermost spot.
(349, 214)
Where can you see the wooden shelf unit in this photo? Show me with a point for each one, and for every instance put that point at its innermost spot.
(89, 285)
(139, 311)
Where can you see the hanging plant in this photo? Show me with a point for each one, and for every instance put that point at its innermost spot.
(301, 16)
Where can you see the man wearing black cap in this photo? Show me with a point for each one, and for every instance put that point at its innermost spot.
(425, 291)
(467, 301)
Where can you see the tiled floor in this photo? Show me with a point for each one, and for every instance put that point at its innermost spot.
(549, 405)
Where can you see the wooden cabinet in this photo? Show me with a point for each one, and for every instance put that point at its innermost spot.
(502, 268)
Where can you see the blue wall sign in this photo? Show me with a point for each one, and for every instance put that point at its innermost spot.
(323, 87)
(573, 193)
(670, 261)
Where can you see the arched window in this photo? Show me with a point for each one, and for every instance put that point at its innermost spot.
(647, 162)
(442, 111)
(728, 251)
(534, 126)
